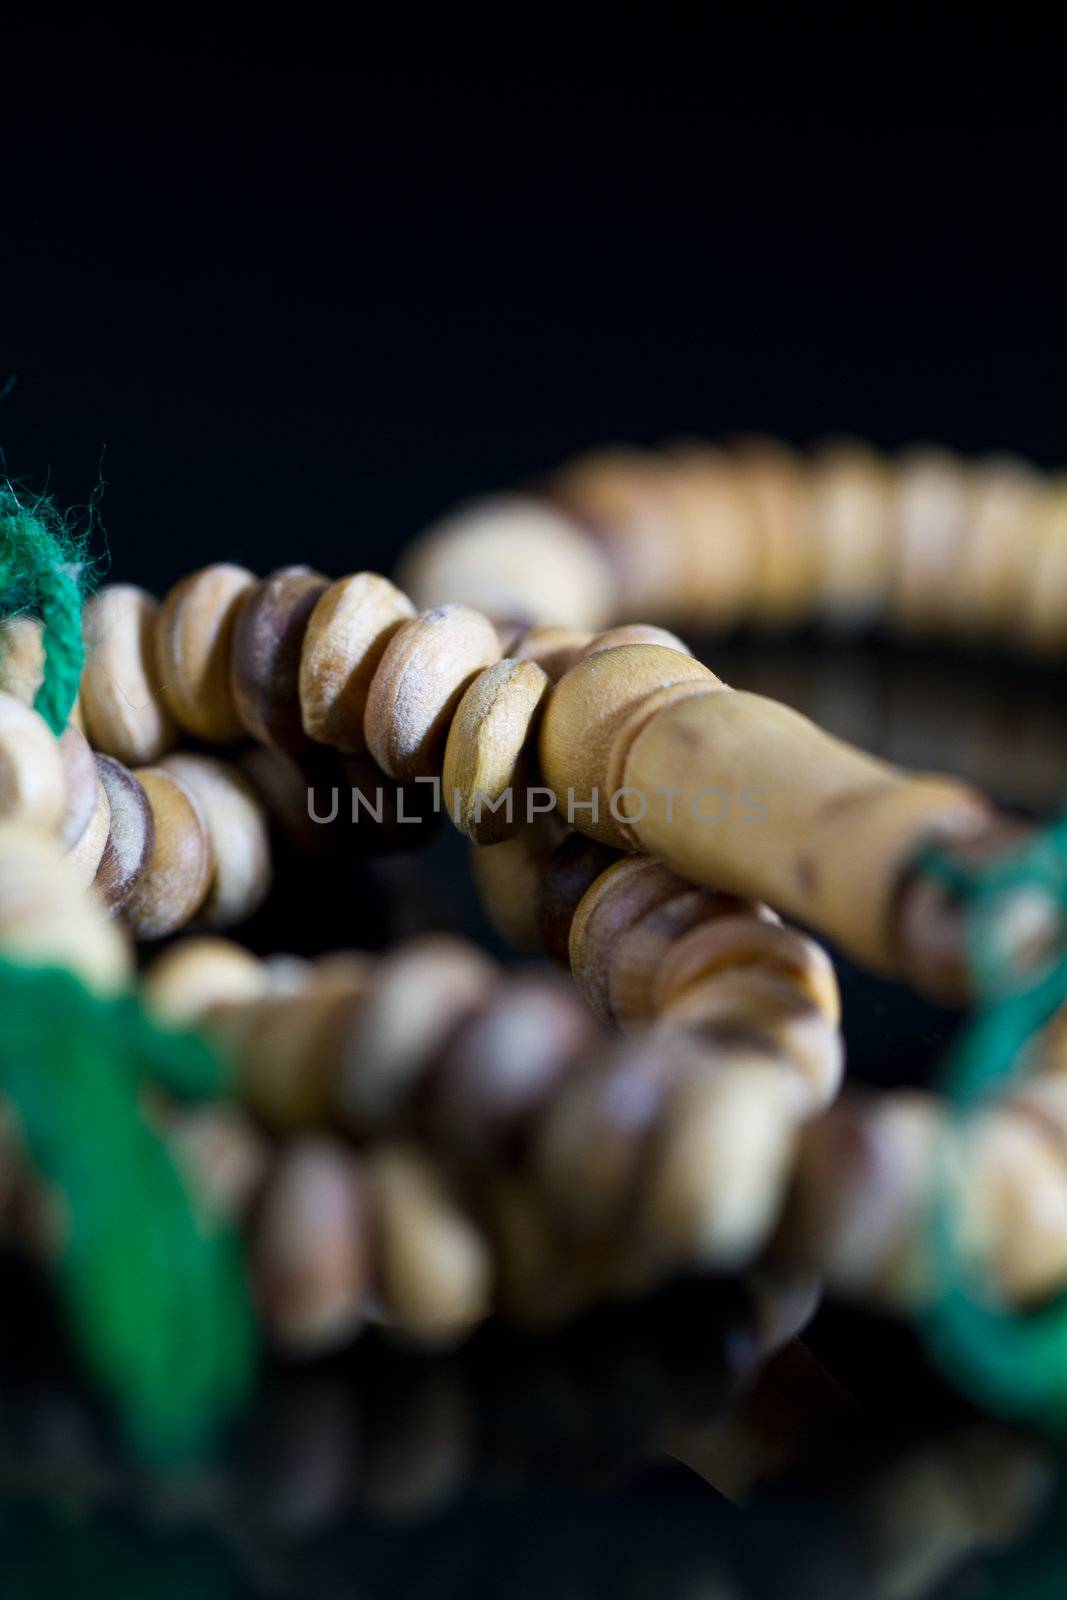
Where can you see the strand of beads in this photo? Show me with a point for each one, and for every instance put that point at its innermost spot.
(755, 533)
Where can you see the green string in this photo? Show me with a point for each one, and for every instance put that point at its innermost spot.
(155, 1289)
(1012, 1362)
(43, 572)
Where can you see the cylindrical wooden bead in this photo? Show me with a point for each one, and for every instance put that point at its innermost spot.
(175, 882)
(131, 835)
(421, 677)
(33, 785)
(787, 565)
(237, 829)
(584, 713)
(795, 817)
(353, 621)
(989, 588)
(268, 638)
(486, 755)
(194, 644)
(932, 526)
(122, 689)
(716, 533)
(852, 491)
(515, 559)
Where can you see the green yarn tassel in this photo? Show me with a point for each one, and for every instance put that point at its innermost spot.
(1013, 1363)
(43, 571)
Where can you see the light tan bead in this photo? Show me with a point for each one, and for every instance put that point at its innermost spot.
(194, 642)
(932, 527)
(347, 633)
(996, 561)
(21, 657)
(131, 836)
(1012, 1196)
(175, 882)
(121, 689)
(797, 818)
(419, 994)
(1043, 623)
(87, 851)
(626, 497)
(641, 950)
(731, 942)
(47, 919)
(634, 633)
(488, 747)
(554, 649)
(609, 907)
(32, 778)
(778, 485)
(237, 829)
(268, 638)
(583, 715)
(426, 667)
(311, 1257)
(80, 782)
(720, 1164)
(717, 537)
(435, 1272)
(224, 1159)
(508, 878)
(852, 492)
(193, 975)
(514, 558)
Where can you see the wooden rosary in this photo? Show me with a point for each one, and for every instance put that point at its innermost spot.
(418, 1139)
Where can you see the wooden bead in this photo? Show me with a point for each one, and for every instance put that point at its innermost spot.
(222, 1156)
(87, 852)
(419, 995)
(625, 498)
(554, 649)
(610, 906)
(716, 538)
(575, 864)
(131, 836)
(750, 1010)
(1043, 623)
(435, 1271)
(268, 638)
(932, 528)
(852, 493)
(121, 689)
(311, 1256)
(175, 882)
(502, 1064)
(757, 940)
(718, 1170)
(347, 633)
(421, 677)
(486, 754)
(286, 1046)
(193, 975)
(584, 712)
(787, 566)
(516, 559)
(32, 777)
(508, 878)
(237, 830)
(995, 561)
(828, 816)
(194, 644)
(21, 657)
(46, 919)
(633, 633)
(1012, 1197)
(642, 948)
(80, 782)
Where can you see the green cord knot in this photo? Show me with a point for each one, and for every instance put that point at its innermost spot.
(1013, 1362)
(43, 571)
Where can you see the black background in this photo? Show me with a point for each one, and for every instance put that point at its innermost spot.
(292, 295)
